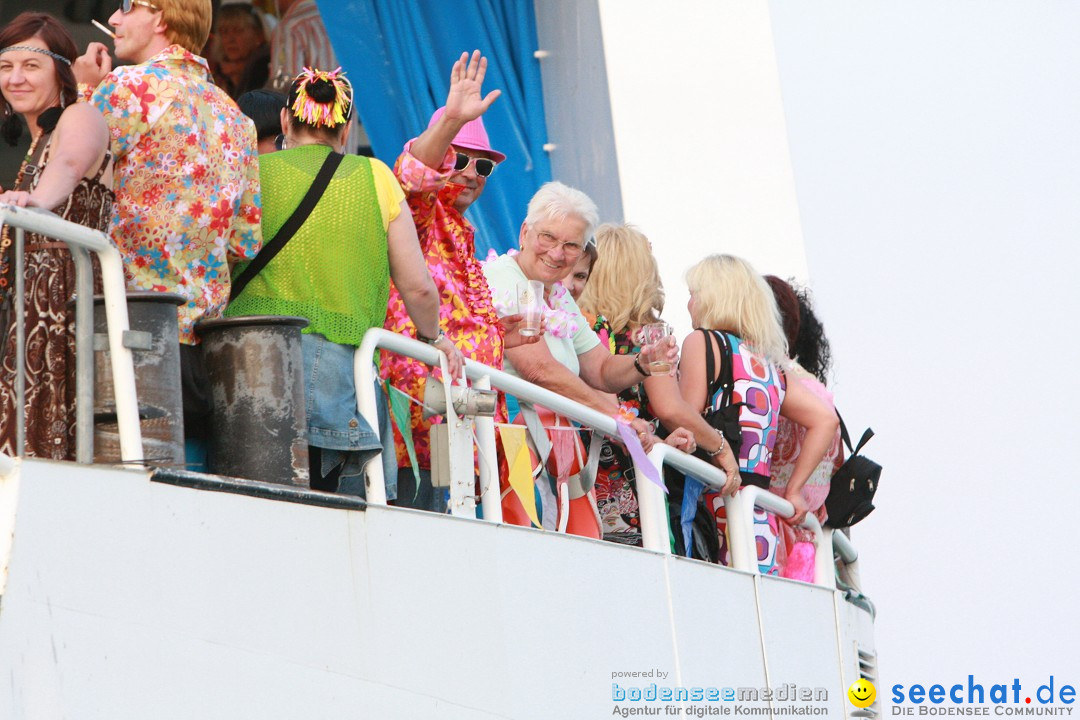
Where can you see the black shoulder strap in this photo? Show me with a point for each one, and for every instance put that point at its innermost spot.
(869, 433)
(294, 223)
(726, 379)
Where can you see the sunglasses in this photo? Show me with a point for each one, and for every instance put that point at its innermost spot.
(127, 6)
(484, 166)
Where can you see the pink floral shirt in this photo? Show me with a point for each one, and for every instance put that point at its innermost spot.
(466, 313)
(186, 177)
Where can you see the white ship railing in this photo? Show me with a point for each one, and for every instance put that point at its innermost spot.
(651, 503)
(81, 241)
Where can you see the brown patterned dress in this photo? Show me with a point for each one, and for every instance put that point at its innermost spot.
(50, 340)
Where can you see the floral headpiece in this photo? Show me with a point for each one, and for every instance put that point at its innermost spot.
(41, 51)
(310, 111)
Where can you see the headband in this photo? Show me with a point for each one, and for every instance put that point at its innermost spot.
(312, 112)
(42, 51)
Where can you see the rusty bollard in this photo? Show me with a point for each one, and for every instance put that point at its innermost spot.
(154, 339)
(256, 371)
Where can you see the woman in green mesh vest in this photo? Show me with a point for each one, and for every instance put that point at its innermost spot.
(335, 271)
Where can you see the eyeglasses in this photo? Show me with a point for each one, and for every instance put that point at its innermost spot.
(546, 241)
(127, 6)
(484, 166)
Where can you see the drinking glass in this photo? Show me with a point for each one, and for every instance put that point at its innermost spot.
(654, 333)
(530, 305)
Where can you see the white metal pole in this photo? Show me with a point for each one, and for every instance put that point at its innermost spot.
(490, 500)
(652, 507)
(459, 431)
(364, 374)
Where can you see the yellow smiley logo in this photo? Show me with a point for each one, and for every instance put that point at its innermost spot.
(862, 693)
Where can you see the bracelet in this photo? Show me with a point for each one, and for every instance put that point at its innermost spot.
(637, 364)
(430, 341)
(717, 451)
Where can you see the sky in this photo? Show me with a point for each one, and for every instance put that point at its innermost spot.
(936, 153)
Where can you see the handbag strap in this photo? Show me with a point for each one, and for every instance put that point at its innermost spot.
(867, 434)
(294, 223)
(726, 379)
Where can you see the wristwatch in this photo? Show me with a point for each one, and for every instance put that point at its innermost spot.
(430, 341)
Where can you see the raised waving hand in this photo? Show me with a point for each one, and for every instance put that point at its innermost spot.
(466, 101)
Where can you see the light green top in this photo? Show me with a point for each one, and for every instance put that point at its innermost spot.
(334, 271)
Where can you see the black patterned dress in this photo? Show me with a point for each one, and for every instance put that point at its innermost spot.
(616, 489)
(49, 278)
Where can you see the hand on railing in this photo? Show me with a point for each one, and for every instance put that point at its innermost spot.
(512, 336)
(795, 497)
(682, 439)
(17, 198)
(644, 432)
(726, 461)
(455, 361)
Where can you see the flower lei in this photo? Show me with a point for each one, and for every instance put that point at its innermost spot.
(558, 322)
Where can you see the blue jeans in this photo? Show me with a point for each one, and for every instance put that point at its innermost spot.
(334, 423)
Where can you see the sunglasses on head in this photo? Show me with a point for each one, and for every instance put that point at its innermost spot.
(127, 6)
(484, 166)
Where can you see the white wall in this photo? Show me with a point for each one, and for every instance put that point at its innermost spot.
(700, 135)
(936, 149)
(576, 105)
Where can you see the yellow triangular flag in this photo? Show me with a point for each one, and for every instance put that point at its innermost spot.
(520, 468)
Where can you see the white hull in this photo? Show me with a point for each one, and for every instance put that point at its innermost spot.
(132, 598)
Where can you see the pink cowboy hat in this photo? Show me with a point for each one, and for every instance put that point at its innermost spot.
(472, 136)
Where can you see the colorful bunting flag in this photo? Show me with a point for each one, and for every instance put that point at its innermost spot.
(641, 460)
(519, 467)
(399, 409)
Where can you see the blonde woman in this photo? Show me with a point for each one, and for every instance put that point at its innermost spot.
(624, 293)
(739, 327)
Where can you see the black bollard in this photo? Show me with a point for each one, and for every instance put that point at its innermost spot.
(154, 339)
(256, 370)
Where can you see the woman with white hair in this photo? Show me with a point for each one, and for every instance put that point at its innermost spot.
(739, 351)
(571, 361)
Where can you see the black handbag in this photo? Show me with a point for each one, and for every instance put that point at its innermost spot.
(726, 417)
(851, 491)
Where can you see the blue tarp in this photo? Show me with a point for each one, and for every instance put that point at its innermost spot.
(398, 54)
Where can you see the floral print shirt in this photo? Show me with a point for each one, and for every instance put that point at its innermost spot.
(466, 313)
(186, 178)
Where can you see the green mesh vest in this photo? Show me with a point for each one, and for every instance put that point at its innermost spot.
(334, 271)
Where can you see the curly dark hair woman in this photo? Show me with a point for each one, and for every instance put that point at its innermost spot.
(807, 344)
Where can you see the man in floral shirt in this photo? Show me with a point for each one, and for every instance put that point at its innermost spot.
(185, 173)
(439, 191)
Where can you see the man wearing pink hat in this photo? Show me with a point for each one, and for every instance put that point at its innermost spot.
(443, 172)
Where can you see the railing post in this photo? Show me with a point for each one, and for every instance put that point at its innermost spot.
(459, 434)
(84, 355)
(652, 506)
(123, 364)
(490, 499)
(740, 528)
(824, 566)
(364, 372)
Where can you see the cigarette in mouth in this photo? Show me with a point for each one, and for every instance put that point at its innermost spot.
(103, 28)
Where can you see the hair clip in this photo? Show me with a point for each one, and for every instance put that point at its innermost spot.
(312, 112)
